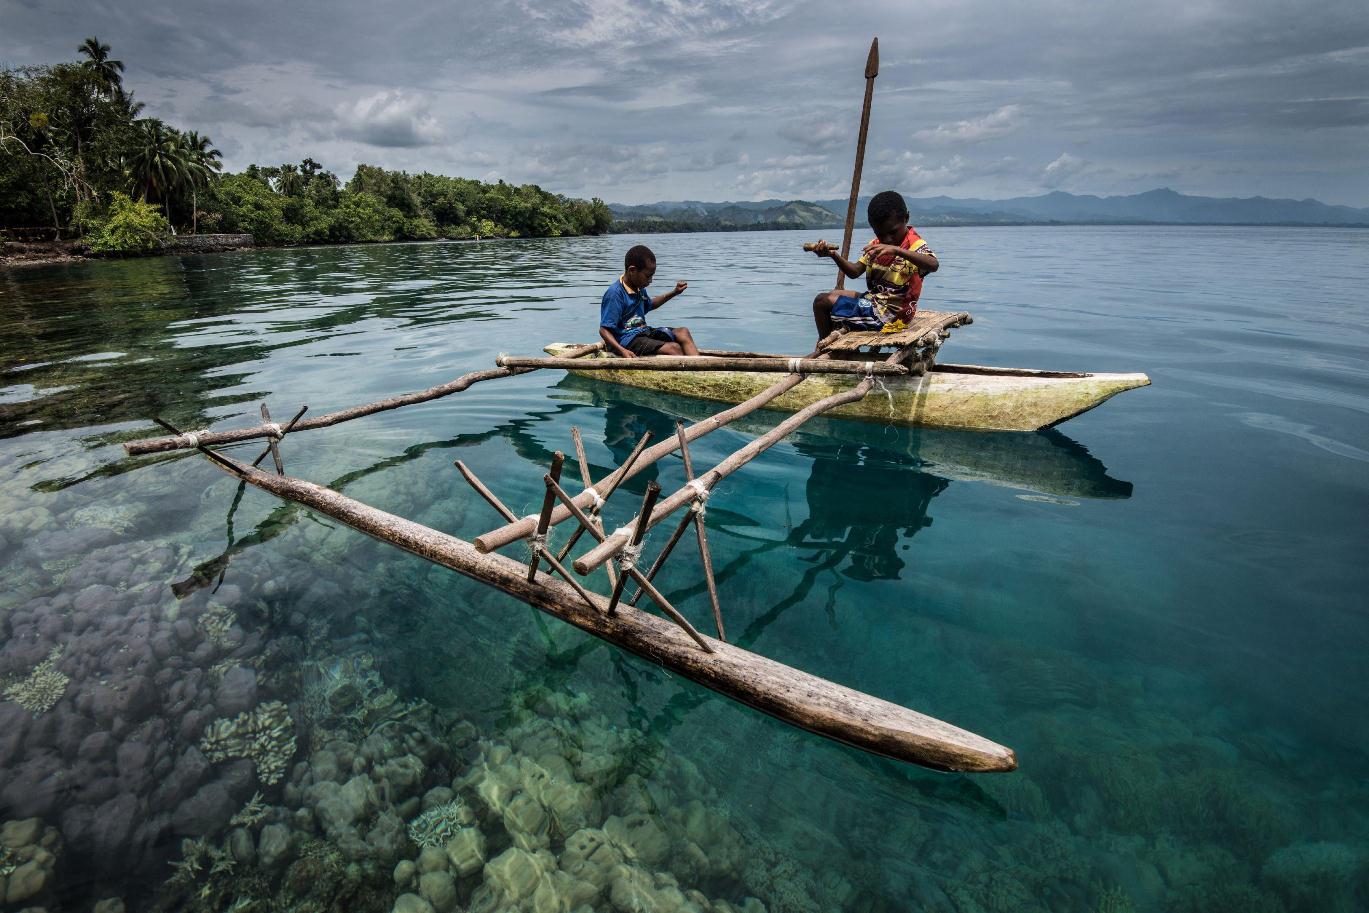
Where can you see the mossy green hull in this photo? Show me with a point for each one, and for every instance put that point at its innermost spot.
(951, 396)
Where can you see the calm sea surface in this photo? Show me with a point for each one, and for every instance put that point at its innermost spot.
(215, 700)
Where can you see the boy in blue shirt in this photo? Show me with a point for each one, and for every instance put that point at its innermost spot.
(623, 310)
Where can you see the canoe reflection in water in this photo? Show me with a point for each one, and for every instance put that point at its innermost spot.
(869, 487)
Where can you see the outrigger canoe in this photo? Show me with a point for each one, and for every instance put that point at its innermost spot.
(972, 397)
(843, 377)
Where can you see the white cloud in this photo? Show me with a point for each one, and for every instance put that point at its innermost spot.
(910, 172)
(1064, 168)
(624, 23)
(999, 123)
(392, 119)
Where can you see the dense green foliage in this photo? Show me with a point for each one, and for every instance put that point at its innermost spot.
(292, 204)
(72, 141)
(130, 227)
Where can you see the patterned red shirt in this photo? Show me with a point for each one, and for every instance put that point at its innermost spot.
(895, 284)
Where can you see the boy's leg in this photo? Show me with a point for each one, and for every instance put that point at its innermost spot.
(685, 340)
(822, 310)
(656, 341)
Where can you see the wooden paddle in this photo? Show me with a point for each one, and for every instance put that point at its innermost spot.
(871, 71)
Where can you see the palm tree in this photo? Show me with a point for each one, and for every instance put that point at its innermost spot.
(157, 164)
(289, 182)
(204, 162)
(109, 72)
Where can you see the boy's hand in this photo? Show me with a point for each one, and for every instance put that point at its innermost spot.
(880, 250)
(823, 249)
(680, 287)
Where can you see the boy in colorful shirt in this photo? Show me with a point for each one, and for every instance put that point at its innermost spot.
(896, 260)
(623, 310)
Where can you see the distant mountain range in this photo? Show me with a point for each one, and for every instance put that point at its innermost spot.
(1163, 206)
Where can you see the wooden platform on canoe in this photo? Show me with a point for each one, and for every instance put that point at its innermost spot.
(926, 328)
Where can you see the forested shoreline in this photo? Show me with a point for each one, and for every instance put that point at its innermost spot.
(79, 162)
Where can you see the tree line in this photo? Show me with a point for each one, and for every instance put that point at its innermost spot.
(76, 155)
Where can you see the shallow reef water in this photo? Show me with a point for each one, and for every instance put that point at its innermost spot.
(211, 700)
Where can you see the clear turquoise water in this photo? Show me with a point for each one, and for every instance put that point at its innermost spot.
(1161, 606)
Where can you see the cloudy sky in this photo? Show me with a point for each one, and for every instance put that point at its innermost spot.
(636, 101)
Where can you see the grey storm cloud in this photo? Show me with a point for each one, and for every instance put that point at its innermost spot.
(393, 119)
(638, 100)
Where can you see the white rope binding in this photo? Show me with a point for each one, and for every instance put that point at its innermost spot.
(627, 558)
(595, 500)
(701, 493)
(869, 369)
(628, 555)
(273, 429)
(536, 542)
(888, 394)
(794, 365)
(191, 439)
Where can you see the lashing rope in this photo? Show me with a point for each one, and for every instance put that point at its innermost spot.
(273, 429)
(191, 439)
(596, 500)
(536, 543)
(627, 558)
(794, 365)
(628, 555)
(888, 394)
(701, 493)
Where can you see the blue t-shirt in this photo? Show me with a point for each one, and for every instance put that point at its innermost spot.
(623, 312)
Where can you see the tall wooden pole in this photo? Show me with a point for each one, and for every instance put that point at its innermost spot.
(871, 71)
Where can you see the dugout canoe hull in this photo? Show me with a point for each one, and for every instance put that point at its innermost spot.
(970, 397)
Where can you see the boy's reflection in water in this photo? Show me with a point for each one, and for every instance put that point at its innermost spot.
(859, 502)
(624, 425)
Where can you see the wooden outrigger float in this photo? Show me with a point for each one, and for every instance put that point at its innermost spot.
(803, 700)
